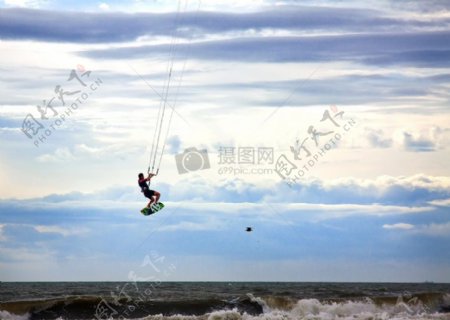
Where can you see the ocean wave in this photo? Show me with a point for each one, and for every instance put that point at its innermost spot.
(85, 307)
(434, 306)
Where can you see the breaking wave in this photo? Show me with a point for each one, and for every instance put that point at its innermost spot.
(419, 306)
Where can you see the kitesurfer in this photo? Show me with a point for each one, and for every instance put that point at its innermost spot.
(148, 193)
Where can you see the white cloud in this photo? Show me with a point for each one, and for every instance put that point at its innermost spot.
(403, 226)
(222, 5)
(83, 151)
(60, 155)
(104, 6)
(116, 149)
(382, 183)
(428, 138)
(275, 212)
(59, 230)
(24, 254)
(440, 203)
(377, 138)
(239, 207)
(191, 226)
(329, 209)
(173, 144)
(24, 3)
(385, 195)
(435, 229)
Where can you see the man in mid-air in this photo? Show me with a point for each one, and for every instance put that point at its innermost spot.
(148, 193)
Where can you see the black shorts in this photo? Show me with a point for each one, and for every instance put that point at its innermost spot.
(149, 193)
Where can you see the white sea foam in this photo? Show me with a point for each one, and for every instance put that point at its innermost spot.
(5, 315)
(361, 310)
(313, 309)
(356, 310)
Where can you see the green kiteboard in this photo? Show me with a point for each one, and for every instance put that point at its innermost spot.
(154, 208)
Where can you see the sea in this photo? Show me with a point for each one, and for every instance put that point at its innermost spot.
(222, 300)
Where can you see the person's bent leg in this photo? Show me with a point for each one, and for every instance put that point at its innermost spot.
(157, 194)
(152, 201)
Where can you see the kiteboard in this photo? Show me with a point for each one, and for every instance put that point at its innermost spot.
(154, 208)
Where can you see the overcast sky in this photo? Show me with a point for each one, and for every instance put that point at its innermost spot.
(367, 201)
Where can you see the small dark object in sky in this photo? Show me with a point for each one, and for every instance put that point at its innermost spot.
(249, 229)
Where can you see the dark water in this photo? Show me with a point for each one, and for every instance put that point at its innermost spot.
(213, 300)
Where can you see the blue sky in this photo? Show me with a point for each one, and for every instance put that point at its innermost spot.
(245, 76)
